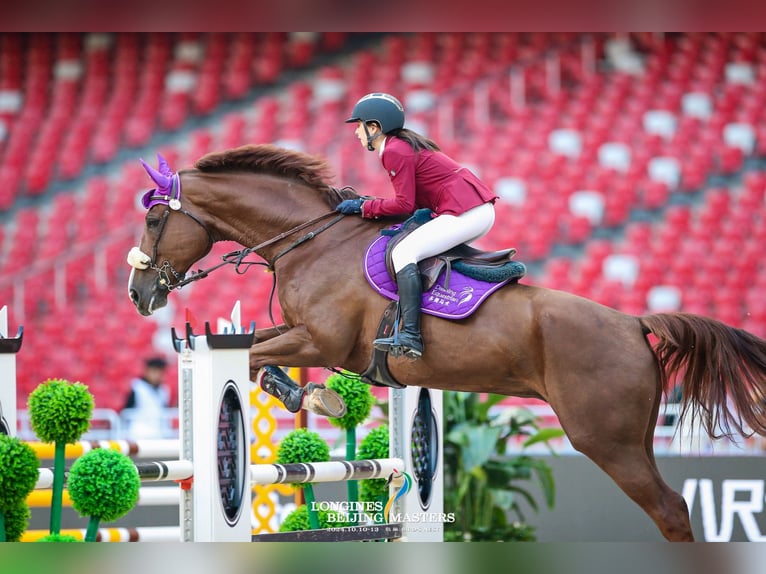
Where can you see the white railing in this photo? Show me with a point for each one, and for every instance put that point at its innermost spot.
(106, 424)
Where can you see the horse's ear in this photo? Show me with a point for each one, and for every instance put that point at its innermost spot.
(162, 180)
(163, 166)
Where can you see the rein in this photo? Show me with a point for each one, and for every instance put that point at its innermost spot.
(237, 258)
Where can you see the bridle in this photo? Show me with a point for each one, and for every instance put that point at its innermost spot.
(165, 270)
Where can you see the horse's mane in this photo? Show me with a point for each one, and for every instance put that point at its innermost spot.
(268, 158)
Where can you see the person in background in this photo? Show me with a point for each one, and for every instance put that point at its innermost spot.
(144, 410)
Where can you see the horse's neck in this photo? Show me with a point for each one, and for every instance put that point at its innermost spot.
(251, 209)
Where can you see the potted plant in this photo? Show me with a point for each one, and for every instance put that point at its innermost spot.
(483, 486)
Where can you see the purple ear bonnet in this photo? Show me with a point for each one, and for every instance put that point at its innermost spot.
(168, 185)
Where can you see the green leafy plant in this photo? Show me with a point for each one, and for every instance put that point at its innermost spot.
(60, 413)
(374, 445)
(482, 485)
(16, 520)
(298, 519)
(18, 477)
(359, 400)
(303, 445)
(104, 486)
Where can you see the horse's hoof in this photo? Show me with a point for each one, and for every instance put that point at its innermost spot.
(323, 401)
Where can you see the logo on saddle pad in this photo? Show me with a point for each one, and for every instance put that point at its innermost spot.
(456, 298)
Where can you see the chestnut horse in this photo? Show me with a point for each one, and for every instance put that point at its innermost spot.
(594, 365)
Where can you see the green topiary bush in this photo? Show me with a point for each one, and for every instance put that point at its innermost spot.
(374, 445)
(103, 484)
(60, 411)
(18, 471)
(298, 519)
(357, 396)
(302, 445)
(16, 520)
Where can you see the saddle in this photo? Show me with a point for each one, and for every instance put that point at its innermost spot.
(472, 262)
(477, 275)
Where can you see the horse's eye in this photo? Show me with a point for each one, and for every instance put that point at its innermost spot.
(152, 222)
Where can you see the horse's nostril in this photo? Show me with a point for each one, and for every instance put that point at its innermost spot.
(133, 296)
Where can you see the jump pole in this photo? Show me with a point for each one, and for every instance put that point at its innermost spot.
(9, 346)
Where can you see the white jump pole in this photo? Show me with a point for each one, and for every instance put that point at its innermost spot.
(8, 348)
(415, 427)
(330, 471)
(295, 473)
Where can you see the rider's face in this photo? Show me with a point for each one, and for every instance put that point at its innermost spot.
(360, 133)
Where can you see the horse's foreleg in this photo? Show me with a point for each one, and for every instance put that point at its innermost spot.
(292, 348)
(261, 335)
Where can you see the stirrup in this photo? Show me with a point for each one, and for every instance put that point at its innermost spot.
(408, 352)
(396, 346)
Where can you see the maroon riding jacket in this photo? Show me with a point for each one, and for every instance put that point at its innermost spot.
(426, 179)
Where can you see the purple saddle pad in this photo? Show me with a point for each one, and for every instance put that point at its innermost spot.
(458, 301)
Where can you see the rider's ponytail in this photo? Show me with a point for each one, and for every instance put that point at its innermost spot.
(417, 141)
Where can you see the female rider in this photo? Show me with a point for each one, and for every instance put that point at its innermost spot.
(422, 177)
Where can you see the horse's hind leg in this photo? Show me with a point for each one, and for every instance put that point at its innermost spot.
(637, 475)
(621, 443)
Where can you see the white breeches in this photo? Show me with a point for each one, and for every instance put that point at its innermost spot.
(443, 233)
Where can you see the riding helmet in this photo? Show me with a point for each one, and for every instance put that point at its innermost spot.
(382, 108)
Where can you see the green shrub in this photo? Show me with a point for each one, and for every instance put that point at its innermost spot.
(357, 396)
(60, 411)
(103, 484)
(298, 519)
(16, 521)
(19, 471)
(374, 445)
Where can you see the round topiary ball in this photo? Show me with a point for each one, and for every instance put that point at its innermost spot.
(302, 445)
(298, 519)
(357, 396)
(60, 411)
(16, 520)
(374, 445)
(104, 484)
(19, 471)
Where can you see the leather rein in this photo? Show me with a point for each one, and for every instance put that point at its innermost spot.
(237, 258)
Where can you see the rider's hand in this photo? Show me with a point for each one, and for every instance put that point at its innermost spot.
(350, 206)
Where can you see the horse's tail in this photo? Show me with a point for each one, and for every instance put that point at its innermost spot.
(722, 367)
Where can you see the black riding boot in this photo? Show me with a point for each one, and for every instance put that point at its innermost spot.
(318, 398)
(408, 341)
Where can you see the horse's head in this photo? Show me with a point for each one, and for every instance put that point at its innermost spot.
(173, 240)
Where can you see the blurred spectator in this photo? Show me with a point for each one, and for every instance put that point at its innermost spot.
(144, 411)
